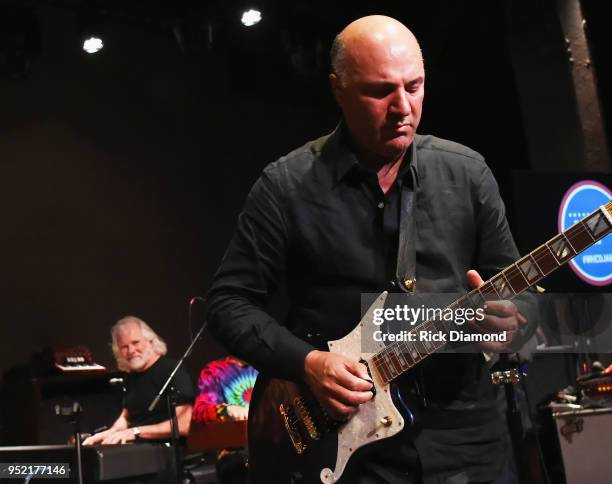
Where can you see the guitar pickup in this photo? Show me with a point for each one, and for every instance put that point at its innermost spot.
(290, 420)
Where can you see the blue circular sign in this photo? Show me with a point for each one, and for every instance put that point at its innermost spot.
(594, 265)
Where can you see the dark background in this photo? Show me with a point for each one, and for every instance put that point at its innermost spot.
(122, 173)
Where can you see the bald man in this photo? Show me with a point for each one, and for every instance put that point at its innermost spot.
(326, 218)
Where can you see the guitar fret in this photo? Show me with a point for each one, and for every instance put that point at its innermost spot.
(420, 347)
(405, 347)
(530, 269)
(393, 372)
(381, 366)
(414, 353)
(579, 236)
(515, 279)
(441, 324)
(429, 346)
(544, 259)
(399, 357)
(395, 357)
(597, 224)
(561, 249)
(477, 299)
(393, 369)
(503, 289)
(488, 292)
(464, 302)
(569, 242)
(437, 344)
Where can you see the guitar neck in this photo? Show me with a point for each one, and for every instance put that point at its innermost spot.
(401, 356)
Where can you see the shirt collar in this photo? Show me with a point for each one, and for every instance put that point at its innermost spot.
(337, 150)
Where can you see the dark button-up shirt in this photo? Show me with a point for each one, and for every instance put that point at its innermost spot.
(319, 221)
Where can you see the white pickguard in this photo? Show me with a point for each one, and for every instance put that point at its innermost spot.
(376, 419)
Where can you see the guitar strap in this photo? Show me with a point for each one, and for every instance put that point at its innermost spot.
(405, 272)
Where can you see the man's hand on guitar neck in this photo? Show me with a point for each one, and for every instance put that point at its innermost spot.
(340, 384)
(499, 316)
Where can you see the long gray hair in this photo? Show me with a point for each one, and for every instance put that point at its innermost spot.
(158, 344)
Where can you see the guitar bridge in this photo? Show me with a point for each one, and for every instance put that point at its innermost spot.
(290, 421)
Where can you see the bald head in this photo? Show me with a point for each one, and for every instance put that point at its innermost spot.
(378, 81)
(366, 37)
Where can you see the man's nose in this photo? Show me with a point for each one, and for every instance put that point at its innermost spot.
(400, 104)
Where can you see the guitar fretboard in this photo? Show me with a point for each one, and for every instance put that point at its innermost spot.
(401, 356)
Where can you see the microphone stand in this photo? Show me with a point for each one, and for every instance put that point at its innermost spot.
(72, 415)
(513, 416)
(171, 402)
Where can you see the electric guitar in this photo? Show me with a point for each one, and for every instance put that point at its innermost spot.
(291, 437)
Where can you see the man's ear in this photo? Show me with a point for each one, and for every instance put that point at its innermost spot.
(336, 87)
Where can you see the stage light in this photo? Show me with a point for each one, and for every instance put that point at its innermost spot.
(92, 45)
(250, 17)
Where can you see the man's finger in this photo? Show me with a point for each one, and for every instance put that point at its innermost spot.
(355, 383)
(339, 410)
(349, 397)
(474, 279)
(359, 370)
(495, 324)
(501, 308)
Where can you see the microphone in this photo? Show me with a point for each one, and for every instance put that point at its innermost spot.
(116, 381)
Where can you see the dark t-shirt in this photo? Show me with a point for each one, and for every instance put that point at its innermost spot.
(141, 388)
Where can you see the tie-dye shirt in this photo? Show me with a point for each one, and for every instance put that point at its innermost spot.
(223, 382)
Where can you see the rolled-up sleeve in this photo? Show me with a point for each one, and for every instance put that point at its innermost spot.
(249, 274)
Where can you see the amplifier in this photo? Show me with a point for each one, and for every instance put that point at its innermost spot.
(586, 442)
(29, 406)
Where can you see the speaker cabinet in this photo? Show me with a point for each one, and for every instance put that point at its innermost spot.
(585, 440)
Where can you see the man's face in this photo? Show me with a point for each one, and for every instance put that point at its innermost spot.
(134, 348)
(381, 95)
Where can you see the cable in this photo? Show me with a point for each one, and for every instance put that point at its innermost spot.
(534, 424)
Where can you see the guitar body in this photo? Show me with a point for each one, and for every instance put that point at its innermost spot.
(291, 438)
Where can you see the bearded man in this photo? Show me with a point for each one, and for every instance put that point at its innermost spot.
(141, 353)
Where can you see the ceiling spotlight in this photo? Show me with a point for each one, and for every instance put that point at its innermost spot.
(250, 17)
(93, 45)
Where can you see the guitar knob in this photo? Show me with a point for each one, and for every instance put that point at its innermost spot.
(386, 421)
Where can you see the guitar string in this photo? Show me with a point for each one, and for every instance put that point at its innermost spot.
(389, 354)
(569, 235)
(509, 273)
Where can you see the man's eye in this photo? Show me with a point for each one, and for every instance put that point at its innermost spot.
(377, 92)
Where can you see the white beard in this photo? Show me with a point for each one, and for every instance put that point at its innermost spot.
(137, 363)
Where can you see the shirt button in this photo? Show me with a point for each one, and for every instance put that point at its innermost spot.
(381, 204)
